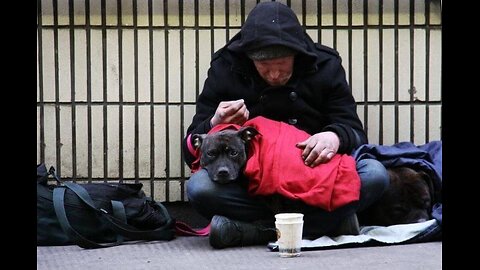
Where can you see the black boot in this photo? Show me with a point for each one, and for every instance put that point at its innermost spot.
(226, 232)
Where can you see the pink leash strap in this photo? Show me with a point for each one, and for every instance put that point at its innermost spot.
(183, 229)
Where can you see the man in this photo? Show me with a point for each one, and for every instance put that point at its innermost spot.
(272, 68)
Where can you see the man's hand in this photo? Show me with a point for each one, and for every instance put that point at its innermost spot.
(230, 112)
(319, 148)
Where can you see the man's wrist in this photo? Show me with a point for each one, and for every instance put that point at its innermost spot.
(213, 121)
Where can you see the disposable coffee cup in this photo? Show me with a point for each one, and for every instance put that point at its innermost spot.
(289, 228)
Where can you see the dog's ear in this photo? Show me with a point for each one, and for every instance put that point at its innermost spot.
(198, 139)
(247, 133)
(426, 177)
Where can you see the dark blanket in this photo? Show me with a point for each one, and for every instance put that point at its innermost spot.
(427, 157)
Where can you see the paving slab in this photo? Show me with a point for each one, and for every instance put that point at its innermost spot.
(191, 252)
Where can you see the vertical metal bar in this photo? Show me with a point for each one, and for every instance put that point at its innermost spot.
(120, 90)
(105, 80)
(227, 20)
(40, 80)
(395, 60)
(182, 97)
(135, 53)
(89, 87)
(152, 95)
(304, 13)
(58, 144)
(427, 70)
(319, 21)
(412, 70)
(349, 31)
(197, 50)
(242, 12)
(72, 87)
(334, 11)
(365, 65)
(167, 111)
(380, 74)
(212, 31)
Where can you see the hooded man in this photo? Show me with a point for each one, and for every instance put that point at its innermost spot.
(272, 68)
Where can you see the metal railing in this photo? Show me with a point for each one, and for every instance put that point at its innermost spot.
(118, 80)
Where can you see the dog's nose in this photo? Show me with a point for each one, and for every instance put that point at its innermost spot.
(222, 172)
(222, 176)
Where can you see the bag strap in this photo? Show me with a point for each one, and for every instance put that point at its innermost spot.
(161, 233)
(59, 206)
(120, 225)
(117, 223)
(75, 236)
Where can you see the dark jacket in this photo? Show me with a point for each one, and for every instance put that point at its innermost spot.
(316, 98)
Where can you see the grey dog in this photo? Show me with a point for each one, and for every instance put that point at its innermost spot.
(224, 153)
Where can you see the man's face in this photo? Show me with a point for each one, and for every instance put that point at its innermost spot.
(275, 72)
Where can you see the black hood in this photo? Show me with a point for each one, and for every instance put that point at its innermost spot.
(272, 23)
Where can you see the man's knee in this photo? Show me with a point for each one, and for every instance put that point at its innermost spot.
(373, 175)
(374, 181)
(199, 186)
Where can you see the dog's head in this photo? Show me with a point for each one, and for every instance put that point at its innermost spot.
(408, 199)
(223, 154)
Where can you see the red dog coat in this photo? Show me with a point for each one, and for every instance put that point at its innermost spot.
(275, 166)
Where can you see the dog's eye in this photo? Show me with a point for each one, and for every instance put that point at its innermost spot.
(211, 153)
(233, 153)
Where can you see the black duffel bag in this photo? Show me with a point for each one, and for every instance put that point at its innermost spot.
(96, 215)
